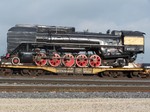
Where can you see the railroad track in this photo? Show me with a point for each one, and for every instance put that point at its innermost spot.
(64, 88)
(72, 85)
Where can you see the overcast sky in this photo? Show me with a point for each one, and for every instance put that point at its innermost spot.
(94, 15)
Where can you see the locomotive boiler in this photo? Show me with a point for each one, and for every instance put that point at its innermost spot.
(58, 46)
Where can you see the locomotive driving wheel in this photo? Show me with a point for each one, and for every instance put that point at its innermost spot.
(95, 61)
(55, 61)
(40, 60)
(81, 60)
(68, 60)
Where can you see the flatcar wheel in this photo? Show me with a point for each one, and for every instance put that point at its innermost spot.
(40, 59)
(55, 61)
(95, 61)
(130, 75)
(81, 60)
(5, 71)
(68, 60)
(40, 72)
(114, 74)
(2, 71)
(36, 72)
(140, 75)
(15, 61)
(25, 72)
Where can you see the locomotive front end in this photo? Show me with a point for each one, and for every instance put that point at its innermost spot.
(133, 42)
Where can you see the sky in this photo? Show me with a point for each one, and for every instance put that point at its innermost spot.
(94, 15)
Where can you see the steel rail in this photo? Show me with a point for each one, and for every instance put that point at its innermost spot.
(73, 81)
(62, 88)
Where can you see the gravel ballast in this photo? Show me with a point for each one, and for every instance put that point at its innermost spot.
(75, 105)
(74, 95)
(74, 102)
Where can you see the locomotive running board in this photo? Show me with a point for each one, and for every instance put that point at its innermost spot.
(75, 70)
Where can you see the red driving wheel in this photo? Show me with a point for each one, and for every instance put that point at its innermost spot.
(81, 60)
(55, 60)
(40, 59)
(68, 60)
(15, 61)
(95, 61)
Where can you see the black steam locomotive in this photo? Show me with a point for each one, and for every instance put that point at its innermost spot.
(62, 46)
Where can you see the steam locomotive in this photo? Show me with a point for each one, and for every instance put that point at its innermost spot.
(59, 46)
